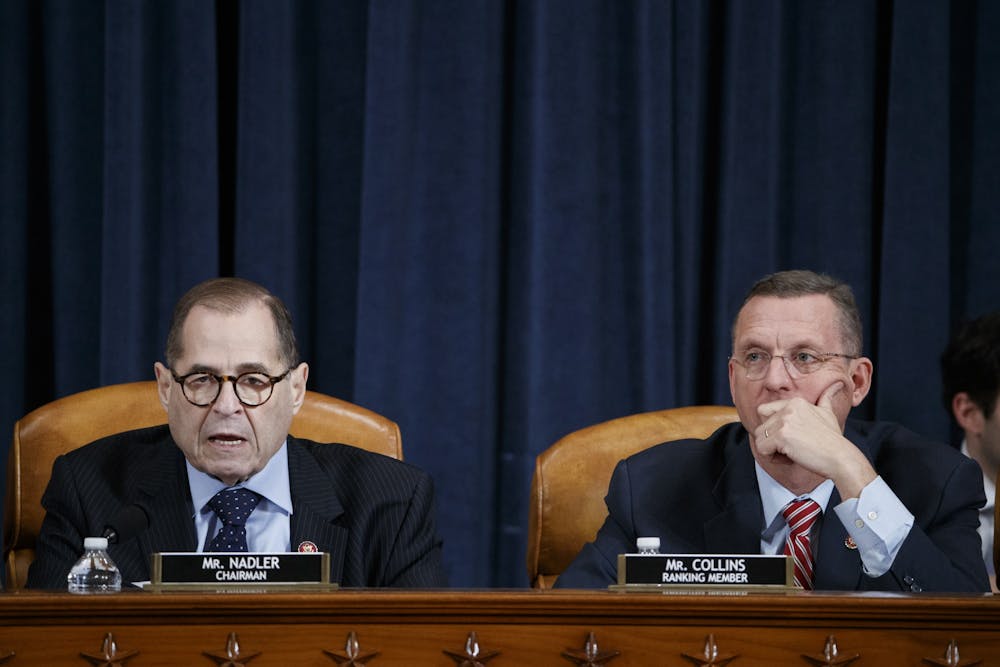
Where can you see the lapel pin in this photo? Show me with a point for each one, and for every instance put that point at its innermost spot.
(307, 547)
(850, 543)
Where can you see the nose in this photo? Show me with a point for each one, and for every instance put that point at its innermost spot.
(227, 402)
(778, 375)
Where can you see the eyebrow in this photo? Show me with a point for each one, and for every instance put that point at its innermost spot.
(753, 343)
(250, 367)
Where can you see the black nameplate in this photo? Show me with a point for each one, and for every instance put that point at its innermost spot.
(704, 570)
(242, 569)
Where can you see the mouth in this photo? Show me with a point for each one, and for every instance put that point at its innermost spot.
(227, 440)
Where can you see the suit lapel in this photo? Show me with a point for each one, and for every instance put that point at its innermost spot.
(837, 566)
(162, 491)
(736, 529)
(315, 509)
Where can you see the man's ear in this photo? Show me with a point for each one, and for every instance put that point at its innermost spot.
(967, 413)
(732, 380)
(861, 379)
(163, 382)
(298, 378)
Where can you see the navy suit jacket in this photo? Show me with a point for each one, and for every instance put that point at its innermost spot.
(701, 496)
(371, 513)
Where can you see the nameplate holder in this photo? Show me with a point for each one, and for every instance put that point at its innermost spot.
(202, 571)
(704, 571)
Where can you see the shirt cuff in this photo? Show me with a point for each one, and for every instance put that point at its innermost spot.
(878, 522)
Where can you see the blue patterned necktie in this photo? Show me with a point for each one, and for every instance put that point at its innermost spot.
(233, 507)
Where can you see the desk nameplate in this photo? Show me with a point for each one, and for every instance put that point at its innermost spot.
(704, 571)
(188, 571)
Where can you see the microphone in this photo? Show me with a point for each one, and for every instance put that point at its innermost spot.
(128, 523)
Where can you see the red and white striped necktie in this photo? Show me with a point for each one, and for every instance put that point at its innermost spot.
(800, 515)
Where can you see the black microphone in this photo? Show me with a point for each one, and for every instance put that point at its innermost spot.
(128, 523)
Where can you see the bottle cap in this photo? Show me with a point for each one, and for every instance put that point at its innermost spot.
(647, 543)
(94, 543)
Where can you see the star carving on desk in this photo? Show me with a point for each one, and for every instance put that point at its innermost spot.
(472, 657)
(831, 655)
(710, 656)
(590, 655)
(109, 655)
(952, 658)
(232, 656)
(352, 655)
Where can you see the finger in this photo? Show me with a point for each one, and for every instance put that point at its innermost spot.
(826, 398)
(765, 410)
(764, 441)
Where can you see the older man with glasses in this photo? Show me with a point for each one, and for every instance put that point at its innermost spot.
(857, 505)
(225, 475)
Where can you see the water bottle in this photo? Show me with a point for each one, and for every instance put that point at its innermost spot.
(95, 572)
(648, 545)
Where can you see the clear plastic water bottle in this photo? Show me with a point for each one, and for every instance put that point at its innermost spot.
(95, 572)
(648, 545)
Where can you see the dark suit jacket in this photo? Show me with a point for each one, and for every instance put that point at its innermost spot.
(372, 513)
(701, 496)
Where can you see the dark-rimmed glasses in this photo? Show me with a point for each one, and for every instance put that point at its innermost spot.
(252, 389)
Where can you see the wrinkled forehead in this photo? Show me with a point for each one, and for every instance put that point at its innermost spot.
(240, 338)
(771, 322)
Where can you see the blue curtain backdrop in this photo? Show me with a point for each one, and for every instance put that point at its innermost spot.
(495, 221)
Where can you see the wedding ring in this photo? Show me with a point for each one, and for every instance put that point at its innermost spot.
(766, 434)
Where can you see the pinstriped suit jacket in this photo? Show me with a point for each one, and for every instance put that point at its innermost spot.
(373, 514)
(701, 496)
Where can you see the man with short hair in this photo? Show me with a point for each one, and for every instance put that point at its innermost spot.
(872, 505)
(970, 377)
(231, 384)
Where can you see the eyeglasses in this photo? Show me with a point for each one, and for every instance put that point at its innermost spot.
(252, 389)
(799, 363)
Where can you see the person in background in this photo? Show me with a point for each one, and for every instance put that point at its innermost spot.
(970, 379)
(231, 382)
(857, 505)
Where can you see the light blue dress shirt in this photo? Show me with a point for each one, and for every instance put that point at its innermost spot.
(269, 526)
(877, 520)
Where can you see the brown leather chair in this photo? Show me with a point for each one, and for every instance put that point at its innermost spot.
(73, 421)
(572, 476)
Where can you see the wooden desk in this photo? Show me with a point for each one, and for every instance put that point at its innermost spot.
(523, 627)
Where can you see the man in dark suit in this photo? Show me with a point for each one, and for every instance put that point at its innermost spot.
(893, 511)
(231, 384)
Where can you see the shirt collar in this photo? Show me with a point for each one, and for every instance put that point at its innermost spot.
(271, 483)
(774, 497)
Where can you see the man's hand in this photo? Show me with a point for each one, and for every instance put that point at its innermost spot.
(810, 436)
